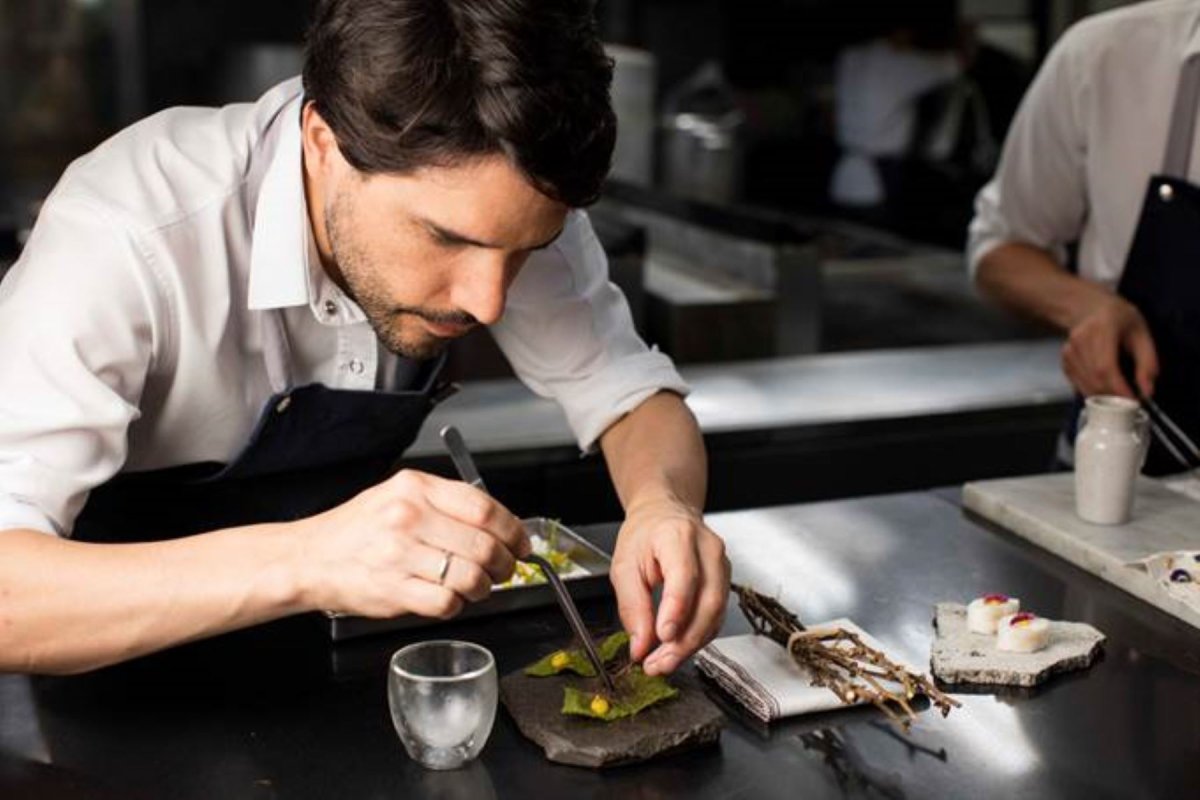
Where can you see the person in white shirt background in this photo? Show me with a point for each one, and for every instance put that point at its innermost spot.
(913, 128)
(226, 328)
(876, 85)
(1092, 222)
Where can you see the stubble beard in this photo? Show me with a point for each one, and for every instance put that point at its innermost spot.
(397, 327)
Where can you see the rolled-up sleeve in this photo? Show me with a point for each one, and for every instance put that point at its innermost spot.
(1038, 195)
(77, 328)
(569, 335)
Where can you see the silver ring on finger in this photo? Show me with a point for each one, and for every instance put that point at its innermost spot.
(445, 568)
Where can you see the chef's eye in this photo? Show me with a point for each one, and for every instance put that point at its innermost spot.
(447, 242)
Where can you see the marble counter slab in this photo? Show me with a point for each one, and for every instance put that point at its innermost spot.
(1041, 509)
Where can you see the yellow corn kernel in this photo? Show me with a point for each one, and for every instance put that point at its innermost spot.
(599, 706)
(559, 660)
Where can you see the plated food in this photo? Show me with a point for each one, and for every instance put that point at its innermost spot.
(636, 690)
(1026, 650)
(1178, 575)
(1000, 616)
(984, 613)
(547, 546)
(1022, 633)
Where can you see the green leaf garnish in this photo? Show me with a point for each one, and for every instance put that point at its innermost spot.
(610, 648)
(636, 691)
(576, 660)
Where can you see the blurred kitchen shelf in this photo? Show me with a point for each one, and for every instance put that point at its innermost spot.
(923, 299)
(790, 429)
(815, 284)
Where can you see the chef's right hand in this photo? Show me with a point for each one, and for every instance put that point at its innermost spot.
(1091, 355)
(381, 553)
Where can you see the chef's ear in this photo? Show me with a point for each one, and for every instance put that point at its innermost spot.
(321, 152)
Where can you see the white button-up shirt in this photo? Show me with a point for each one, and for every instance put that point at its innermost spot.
(1089, 134)
(876, 86)
(131, 327)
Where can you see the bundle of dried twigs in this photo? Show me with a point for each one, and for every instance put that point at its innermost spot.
(840, 661)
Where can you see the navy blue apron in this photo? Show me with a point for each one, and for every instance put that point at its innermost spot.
(1162, 274)
(312, 448)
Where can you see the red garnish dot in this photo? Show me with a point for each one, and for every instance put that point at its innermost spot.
(1024, 618)
(995, 599)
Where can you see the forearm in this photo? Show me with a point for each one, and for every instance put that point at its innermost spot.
(656, 453)
(658, 465)
(1028, 281)
(70, 606)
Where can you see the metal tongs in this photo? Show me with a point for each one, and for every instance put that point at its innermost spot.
(1169, 435)
(467, 470)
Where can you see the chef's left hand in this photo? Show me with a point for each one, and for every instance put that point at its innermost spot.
(666, 542)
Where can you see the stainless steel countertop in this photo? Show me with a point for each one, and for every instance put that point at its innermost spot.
(791, 392)
(270, 723)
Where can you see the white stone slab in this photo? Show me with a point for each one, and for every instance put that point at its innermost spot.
(1041, 509)
(960, 656)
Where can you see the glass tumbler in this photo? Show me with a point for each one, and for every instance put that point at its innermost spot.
(443, 696)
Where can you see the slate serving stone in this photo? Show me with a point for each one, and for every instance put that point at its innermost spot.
(960, 656)
(687, 721)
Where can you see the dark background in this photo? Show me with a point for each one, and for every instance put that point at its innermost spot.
(73, 71)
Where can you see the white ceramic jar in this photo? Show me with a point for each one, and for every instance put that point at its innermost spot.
(1109, 452)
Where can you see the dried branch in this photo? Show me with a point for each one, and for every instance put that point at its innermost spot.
(839, 660)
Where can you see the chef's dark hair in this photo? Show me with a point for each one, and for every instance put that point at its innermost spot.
(406, 84)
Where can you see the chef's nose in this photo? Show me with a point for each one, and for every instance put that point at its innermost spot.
(482, 287)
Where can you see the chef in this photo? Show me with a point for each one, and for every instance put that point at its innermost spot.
(1103, 155)
(227, 326)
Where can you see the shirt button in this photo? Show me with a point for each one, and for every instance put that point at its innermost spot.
(1166, 192)
(283, 404)
(331, 308)
(355, 366)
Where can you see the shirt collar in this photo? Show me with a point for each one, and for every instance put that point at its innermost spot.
(329, 304)
(285, 266)
(279, 250)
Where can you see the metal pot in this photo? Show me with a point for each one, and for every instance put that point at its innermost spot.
(704, 155)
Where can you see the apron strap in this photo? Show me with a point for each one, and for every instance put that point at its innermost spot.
(1178, 159)
(277, 353)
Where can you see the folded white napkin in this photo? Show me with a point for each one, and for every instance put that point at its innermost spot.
(758, 673)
